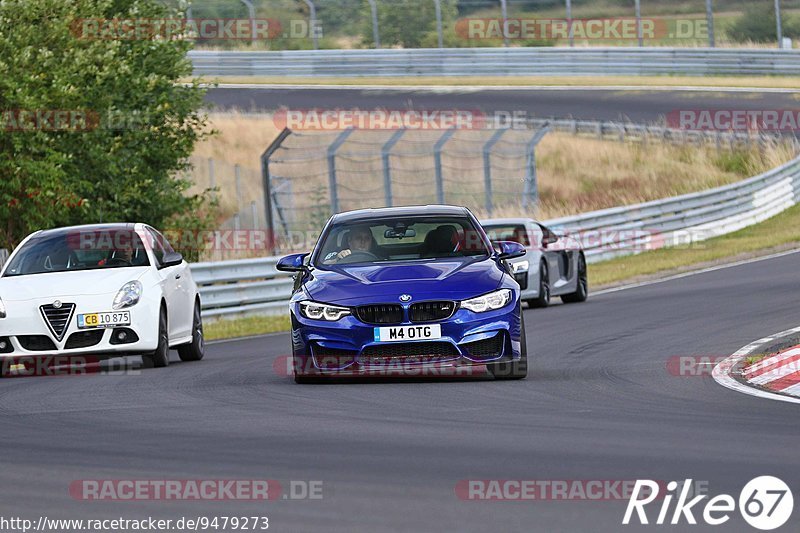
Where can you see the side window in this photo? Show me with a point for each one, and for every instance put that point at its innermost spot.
(157, 240)
(548, 237)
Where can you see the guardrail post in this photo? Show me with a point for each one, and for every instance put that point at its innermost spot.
(530, 194)
(710, 22)
(437, 163)
(332, 149)
(438, 5)
(386, 150)
(487, 169)
(639, 22)
(312, 23)
(376, 34)
(265, 177)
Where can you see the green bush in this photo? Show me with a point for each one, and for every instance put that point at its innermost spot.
(123, 162)
(758, 25)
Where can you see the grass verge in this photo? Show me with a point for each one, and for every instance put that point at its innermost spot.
(245, 327)
(756, 82)
(781, 232)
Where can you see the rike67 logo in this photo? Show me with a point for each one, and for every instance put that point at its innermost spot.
(765, 503)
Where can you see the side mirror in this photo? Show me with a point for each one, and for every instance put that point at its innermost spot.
(510, 250)
(292, 263)
(549, 238)
(171, 259)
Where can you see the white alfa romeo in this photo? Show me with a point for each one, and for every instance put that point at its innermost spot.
(106, 290)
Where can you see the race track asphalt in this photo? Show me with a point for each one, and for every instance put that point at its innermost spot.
(634, 105)
(598, 405)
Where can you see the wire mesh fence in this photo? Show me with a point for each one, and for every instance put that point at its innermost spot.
(307, 24)
(313, 175)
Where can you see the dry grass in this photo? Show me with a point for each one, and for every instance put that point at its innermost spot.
(579, 174)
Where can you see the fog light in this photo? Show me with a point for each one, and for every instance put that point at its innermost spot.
(5, 345)
(123, 336)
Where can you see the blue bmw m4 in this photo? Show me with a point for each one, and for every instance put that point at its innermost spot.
(405, 288)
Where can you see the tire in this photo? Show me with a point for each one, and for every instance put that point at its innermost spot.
(544, 289)
(582, 292)
(515, 369)
(195, 350)
(160, 357)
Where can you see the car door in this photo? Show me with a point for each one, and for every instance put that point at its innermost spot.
(556, 258)
(176, 283)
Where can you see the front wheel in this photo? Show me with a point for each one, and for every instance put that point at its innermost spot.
(582, 292)
(195, 350)
(160, 357)
(515, 369)
(544, 289)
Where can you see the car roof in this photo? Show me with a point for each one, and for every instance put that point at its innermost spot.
(411, 210)
(114, 226)
(506, 221)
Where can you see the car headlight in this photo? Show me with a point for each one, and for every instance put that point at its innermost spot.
(522, 266)
(318, 311)
(488, 302)
(128, 295)
(2, 309)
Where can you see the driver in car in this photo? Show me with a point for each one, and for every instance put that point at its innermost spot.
(122, 253)
(359, 239)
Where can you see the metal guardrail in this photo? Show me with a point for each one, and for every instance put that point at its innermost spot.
(253, 286)
(497, 62)
(241, 288)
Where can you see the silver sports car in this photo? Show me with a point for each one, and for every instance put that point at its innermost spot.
(554, 264)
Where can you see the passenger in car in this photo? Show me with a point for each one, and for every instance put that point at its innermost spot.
(441, 241)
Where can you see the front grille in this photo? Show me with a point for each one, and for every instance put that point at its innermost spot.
(36, 343)
(380, 314)
(491, 347)
(424, 351)
(522, 279)
(84, 339)
(57, 319)
(430, 311)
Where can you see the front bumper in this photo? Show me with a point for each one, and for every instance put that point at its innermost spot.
(347, 347)
(25, 332)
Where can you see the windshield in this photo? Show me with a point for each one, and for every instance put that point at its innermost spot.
(513, 233)
(79, 250)
(400, 239)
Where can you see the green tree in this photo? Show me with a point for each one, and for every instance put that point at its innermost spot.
(407, 23)
(758, 24)
(121, 161)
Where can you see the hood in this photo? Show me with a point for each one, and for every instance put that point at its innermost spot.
(452, 279)
(67, 284)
